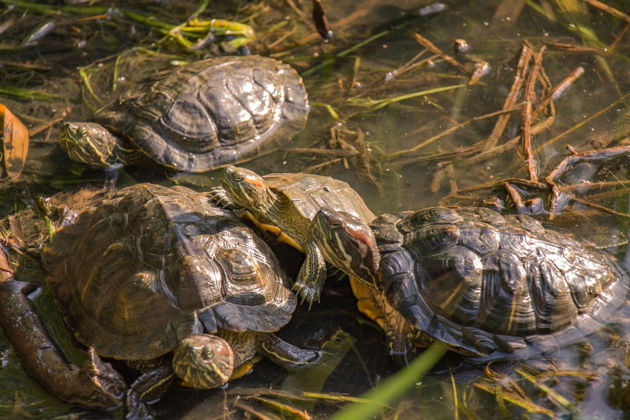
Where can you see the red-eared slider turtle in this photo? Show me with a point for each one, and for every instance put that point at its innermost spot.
(305, 211)
(194, 118)
(492, 285)
(162, 278)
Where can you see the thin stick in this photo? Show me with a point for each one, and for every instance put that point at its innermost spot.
(543, 125)
(559, 90)
(609, 9)
(325, 152)
(585, 121)
(499, 127)
(619, 38)
(452, 129)
(411, 64)
(596, 154)
(548, 102)
(435, 50)
(530, 98)
(598, 185)
(318, 166)
(511, 181)
(450, 154)
(364, 158)
(514, 195)
(345, 52)
(42, 127)
(602, 208)
(579, 49)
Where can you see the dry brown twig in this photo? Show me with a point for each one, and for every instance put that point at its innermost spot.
(435, 50)
(530, 99)
(609, 9)
(502, 121)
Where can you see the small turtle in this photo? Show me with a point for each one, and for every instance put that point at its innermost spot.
(161, 278)
(488, 285)
(194, 118)
(304, 211)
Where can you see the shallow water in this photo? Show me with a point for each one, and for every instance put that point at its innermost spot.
(399, 156)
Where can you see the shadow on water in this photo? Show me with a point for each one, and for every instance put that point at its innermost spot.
(404, 118)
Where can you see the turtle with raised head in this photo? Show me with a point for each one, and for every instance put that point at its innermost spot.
(163, 279)
(197, 117)
(290, 206)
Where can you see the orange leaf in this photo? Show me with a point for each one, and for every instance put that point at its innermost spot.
(15, 142)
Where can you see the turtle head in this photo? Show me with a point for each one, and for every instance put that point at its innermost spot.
(246, 188)
(347, 242)
(203, 361)
(89, 143)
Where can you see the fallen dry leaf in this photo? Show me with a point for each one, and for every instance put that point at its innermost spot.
(15, 142)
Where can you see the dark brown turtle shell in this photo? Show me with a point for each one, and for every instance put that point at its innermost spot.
(152, 265)
(486, 283)
(210, 112)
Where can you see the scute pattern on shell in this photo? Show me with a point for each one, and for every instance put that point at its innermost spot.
(211, 112)
(138, 272)
(303, 195)
(483, 282)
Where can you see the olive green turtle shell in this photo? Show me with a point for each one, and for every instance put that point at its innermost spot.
(302, 195)
(210, 112)
(483, 282)
(138, 272)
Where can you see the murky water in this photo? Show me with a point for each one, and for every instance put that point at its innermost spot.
(379, 124)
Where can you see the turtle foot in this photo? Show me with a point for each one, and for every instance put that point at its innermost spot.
(105, 385)
(147, 388)
(307, 293)
(220, 197)
(138, 411)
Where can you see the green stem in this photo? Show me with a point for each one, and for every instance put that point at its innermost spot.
(202, 7)
(380, 103)
(343, 53)
(57, 10)
(393, 387)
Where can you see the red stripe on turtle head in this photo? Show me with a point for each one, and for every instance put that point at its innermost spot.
(349, 243)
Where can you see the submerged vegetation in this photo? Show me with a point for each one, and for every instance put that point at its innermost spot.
(521, 105)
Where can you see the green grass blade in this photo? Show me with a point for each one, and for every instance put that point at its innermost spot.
(393, 387)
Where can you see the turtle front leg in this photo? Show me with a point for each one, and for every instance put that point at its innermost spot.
(95, 385)
(146, 388)
(312, 275)
(220, 197)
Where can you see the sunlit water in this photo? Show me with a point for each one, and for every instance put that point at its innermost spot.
(388, 180)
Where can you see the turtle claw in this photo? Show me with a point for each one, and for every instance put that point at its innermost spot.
(306, 293)
(137, 411)
(220, 197)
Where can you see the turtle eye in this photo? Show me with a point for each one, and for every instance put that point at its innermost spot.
(335, 225)
(206, 354)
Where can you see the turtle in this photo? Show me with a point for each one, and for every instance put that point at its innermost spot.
(304, 211)
(489, 286)
(165, 280)
(197, 117)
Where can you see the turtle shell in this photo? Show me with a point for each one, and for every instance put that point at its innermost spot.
(211, 112)
(306, 194)
(482, 282)
(138, 272)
